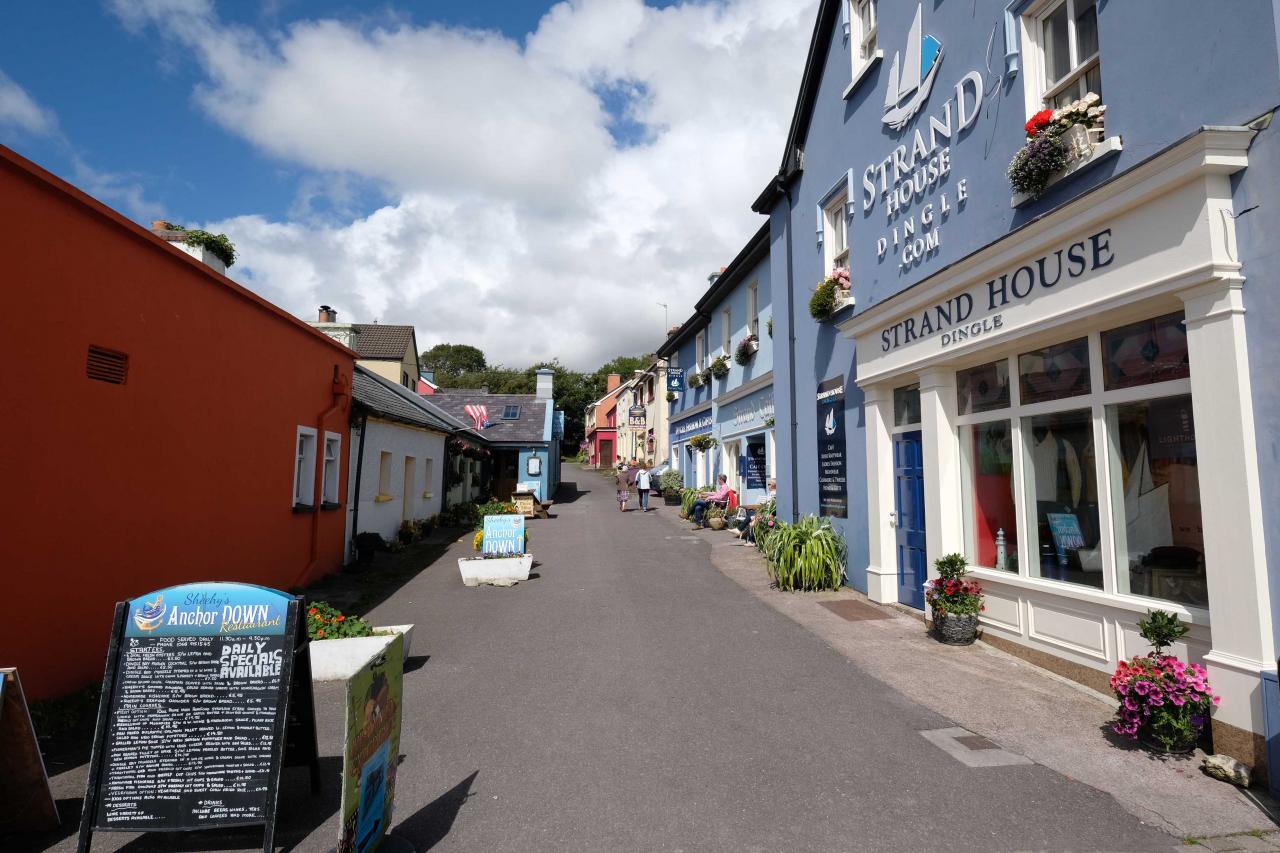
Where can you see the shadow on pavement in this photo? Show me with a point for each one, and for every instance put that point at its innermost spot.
(569, 492)
(429, 825)
(413, 663)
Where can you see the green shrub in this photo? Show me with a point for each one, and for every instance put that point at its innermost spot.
(808, 555)
(1161, 630)
(671, 482)
(822, 304)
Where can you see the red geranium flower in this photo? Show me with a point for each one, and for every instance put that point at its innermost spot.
(1038, 122)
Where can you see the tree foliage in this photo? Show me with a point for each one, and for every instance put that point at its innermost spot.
(452, 361)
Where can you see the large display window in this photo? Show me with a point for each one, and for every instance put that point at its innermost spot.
(1079, 464)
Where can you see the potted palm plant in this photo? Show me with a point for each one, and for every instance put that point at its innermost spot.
(955, 600)
(806, 556)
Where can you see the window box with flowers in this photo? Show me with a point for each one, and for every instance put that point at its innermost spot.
(340, 644)
(719, 367)
(695, 379)
(1060, 143)
(747, 348)
(832, 295)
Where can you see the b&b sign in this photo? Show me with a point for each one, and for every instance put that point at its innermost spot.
(503, 534)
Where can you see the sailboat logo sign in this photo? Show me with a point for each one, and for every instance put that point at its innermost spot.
(911, 76)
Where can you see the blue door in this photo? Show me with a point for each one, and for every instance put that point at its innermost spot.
(908, 472)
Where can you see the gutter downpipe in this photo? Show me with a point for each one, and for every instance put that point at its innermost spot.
(791, 357)
(355, 503)
(340, 394)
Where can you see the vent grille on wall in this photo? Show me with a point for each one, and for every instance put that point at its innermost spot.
(107, 365)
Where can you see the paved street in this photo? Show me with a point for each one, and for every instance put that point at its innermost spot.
(632, 697)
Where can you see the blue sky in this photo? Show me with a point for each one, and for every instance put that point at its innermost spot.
(395, 140)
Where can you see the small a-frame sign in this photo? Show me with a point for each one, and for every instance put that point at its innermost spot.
(24, 785)
(198, 709)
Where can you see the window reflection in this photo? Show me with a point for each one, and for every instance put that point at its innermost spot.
(1062, 494)
(1055, 372)
(991, 520)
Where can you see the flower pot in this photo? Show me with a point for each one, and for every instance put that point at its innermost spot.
(1077, 142)
(716, 523)
(956, 629)
(339, 660)
(500, 571)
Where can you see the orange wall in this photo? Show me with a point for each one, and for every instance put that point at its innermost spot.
(184, 473)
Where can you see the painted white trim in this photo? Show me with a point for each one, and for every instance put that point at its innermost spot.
(1108, 147)
(304, 493)
(862, 72)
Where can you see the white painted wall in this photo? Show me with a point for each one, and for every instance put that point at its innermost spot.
(382, 513)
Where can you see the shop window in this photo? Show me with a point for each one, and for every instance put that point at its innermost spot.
(1054, 373)
(1156, 499)
(906, 405)
(1066, 34)
(304, 467)
(984, 388)
(1062, 497)
(990, 513)
(862, 34)
(1146, 352)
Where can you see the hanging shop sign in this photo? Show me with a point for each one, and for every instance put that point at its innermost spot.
(691, 426)
(205, 684)
(24, 786)
(675, 379)
(906, 181)
(756, 469)
(833, 487)
(636, 416)
(371, 749)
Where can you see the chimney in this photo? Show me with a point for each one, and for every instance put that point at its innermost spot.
(711, 279)
(545, 378)
(178, 239)
(614, 381)
(328, 315)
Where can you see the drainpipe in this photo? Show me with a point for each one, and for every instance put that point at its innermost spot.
(791, 361)
(355, 514)
(340, 396)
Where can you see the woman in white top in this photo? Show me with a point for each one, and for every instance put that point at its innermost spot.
(642, 485)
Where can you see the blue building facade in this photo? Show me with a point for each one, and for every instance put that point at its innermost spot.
(732, 323)
(1073, 390)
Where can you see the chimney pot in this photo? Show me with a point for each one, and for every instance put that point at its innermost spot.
(159, 225)
(328, 314)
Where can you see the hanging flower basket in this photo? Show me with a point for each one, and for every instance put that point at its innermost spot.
(831, 295)
(702, 443)
(719, 367)
(1056, 139)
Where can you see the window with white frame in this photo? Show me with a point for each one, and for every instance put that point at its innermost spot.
(332, 468)
(835, 237)
(753, 309)
(304, 467)
(726, 328)
(862, 34)
(700, 351)
(384, 474)
(1079, 465)
(1064, 34)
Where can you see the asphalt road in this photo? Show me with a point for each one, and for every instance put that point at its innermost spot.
(632, 698)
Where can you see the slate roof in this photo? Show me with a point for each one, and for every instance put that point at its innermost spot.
(528, 429)
(383, 397)
(377, 341)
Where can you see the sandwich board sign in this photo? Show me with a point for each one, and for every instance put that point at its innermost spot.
(503, 534)
(205, 685)
(371, 749)
(24, 785)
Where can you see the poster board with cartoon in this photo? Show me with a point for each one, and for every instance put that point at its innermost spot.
(371, 749)
(24, 785)
(195, 706)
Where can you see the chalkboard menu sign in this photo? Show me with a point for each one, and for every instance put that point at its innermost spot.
(192, 723)
(833, 489)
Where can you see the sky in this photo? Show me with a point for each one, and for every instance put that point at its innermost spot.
(529, 178)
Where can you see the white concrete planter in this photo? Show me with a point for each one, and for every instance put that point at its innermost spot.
(503, 571)
(339, 660)
(844, 298)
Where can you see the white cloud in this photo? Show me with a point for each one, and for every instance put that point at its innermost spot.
(18, 111)
(519, 224)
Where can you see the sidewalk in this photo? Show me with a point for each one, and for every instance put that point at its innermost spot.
(1051, 720)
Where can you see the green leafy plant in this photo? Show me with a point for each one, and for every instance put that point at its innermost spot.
(1161, 630)
(822, 304)
(769, 422)
(745, 351)
(671, 396)
(326, 622)
(1037, 162)
(687, 497)
(671, 481)
(407, 532)
(695, 379)
(492, 507)
(719, 367)
(218, 245)
(806, 556)
(703, 443)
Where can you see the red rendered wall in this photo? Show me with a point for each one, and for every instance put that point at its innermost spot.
(184, 473)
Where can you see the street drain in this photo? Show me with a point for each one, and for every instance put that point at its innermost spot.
(971, 749)
(856, 611)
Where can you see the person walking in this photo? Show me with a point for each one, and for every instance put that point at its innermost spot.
(706, 499)
(624, 486)
(642, 485)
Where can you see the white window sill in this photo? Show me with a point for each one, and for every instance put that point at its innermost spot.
(1104, 149)
(863, 72)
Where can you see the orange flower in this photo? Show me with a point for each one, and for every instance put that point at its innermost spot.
(342, 618)
(320, 633)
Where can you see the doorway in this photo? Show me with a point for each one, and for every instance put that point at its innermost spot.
(908, 472)
(606, 453)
